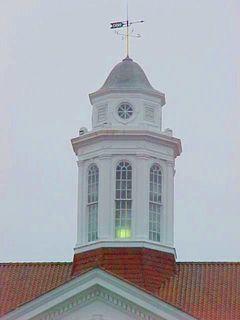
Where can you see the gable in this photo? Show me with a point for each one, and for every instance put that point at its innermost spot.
(98, 310)
(97, 303)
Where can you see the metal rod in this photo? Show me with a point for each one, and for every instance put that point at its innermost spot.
(127, 33)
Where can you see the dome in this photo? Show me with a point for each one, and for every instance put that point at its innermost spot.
(128, 76)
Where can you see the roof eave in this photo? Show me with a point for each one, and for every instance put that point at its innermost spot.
(153, 93)
(116, 133)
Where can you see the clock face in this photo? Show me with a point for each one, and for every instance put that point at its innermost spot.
(125, 111)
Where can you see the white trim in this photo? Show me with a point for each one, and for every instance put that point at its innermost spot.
(104, 149)
(129, 95)
(115, 134)
(93, 284)
(125, 244)
(98, 96)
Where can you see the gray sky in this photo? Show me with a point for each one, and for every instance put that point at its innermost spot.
(53, 53)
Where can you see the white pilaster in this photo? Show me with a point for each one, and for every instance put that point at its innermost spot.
(105, 214)
(80, 204)
(170, 203)
(142, 198)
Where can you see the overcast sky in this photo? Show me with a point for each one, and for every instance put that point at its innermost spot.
(54, 53)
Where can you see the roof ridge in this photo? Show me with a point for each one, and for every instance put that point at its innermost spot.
(208, 262)
(35, 263)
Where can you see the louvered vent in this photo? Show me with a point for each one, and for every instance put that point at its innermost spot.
(149, 113)
(102, 114)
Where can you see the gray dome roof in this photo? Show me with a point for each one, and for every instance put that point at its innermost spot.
(128, 76)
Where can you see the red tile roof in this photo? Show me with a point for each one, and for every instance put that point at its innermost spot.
(209, 291)
(206, 290)
(23, 282)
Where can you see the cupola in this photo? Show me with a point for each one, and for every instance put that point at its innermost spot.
(126, 167)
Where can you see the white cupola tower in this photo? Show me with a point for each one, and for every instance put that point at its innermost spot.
(126, 167)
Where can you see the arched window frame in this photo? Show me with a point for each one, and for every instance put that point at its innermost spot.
(92, 201)
(155, 201)
(123, 199)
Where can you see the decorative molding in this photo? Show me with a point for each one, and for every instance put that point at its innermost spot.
(105, 156)
(156, 95)
(143, 156)
(133, 135)
(124, 244)
(104, 295)
(131, 151)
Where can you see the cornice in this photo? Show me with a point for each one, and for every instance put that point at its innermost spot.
(105, 156)
(143, 156)
(117, 134)
(137, 151)
(125, 244)
(109, 93)
(101, 294)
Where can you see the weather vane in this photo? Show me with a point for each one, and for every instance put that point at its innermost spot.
(126, 24)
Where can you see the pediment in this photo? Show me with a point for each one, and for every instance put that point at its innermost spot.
(97, 303)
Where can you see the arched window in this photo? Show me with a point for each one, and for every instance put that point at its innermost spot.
(123, 200)
(93, 177)
(155, 202)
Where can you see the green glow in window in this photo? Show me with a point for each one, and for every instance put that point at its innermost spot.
(123, 233)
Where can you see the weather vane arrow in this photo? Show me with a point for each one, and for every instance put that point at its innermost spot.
(125, 24)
